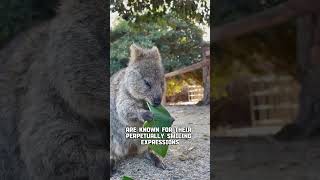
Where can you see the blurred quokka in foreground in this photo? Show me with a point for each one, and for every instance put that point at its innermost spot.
(131, 87)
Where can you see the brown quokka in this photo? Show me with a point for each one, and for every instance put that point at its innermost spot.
(142, 81)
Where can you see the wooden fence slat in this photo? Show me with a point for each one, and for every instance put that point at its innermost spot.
(190, 68)
(281, 106)
(271, 100)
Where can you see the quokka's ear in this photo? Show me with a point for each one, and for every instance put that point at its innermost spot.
(136, 53)
(154, 53)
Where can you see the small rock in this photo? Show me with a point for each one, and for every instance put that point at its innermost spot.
(175, 177)
(170, 168)
(183, 157)
(191, 148)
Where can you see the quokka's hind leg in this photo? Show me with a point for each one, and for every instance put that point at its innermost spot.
(155, 159)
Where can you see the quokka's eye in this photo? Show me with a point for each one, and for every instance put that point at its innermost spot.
(147, 83)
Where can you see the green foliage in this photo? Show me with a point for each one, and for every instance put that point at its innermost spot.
(16, 15)
(162, 118)
(138, 11)
(127, 178)
(167, 24)
(178, 41)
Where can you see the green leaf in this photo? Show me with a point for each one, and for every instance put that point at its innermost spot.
(162, 118)
(126, 178)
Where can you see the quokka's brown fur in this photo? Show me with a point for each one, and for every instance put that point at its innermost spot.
(130, 88)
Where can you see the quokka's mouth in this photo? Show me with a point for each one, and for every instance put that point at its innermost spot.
(153, 104)
(157, 101)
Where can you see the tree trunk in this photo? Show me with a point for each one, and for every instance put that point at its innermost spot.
(206, 84)
(206, 75)
(164, 97)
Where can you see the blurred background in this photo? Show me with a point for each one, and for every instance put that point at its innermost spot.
(265, 89)
(17, 16)
(254, 79)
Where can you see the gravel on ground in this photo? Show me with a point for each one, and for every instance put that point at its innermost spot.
(188, 160)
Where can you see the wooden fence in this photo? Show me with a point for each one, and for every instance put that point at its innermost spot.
(205, 66)
(195, 93)
(273, 100)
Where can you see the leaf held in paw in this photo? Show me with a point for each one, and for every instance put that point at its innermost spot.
(161, 118)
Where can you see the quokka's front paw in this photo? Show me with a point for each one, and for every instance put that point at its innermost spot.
(147, 116)
(160, 164)
(155, 160)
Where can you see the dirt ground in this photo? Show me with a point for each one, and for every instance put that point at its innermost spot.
(188, 160)
(264, 158)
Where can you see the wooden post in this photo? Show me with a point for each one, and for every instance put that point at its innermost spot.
(315, 50)
(305, 29)
(190, 68)
(206, 76)
(164, 100)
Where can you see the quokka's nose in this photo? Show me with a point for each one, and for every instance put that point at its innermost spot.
(157, 101)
